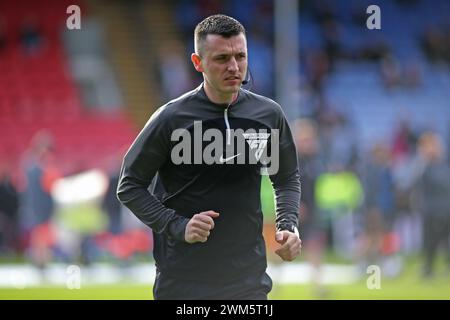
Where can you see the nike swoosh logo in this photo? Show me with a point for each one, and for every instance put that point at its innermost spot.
(222, 160)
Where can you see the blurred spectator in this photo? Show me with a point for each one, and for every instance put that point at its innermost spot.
(317, 68)
(339, 194)
(331, 30)
(312, 230)
(435, 43)
(433, 200)
(38, 205)
(404, 141)
(390, 71)
(175, 74)
(306, 139)
(378, 216)
(338, 138)
(9, 204)
(111, 204)
(405, 169)
(412, 75)
(374, 50)
(396, 75)
(31, 36)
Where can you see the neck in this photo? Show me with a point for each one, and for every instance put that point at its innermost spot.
(218, 98)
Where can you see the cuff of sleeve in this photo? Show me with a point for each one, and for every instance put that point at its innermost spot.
(177, 228)
(289, 227)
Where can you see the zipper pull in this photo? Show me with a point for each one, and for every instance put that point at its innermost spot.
(227, 124)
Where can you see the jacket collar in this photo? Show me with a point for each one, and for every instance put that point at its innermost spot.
(202, 95)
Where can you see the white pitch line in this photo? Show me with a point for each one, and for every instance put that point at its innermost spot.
(23, 276)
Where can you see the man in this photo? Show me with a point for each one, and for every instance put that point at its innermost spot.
(433, 189)
(208, 148)
(9, 206)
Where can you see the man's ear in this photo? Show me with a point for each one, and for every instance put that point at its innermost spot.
(197, 62)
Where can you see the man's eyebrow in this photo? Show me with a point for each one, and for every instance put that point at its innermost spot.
(228, 53)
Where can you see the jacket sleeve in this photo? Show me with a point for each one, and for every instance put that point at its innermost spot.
(286, 182)
(146, 155)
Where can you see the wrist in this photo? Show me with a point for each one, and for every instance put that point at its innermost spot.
(289, 227)
(177, 229)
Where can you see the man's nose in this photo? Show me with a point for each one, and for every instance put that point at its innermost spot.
(233, 65)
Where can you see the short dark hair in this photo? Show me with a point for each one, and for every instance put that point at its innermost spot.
(219, 24)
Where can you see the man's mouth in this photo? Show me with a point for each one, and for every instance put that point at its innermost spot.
(232, 78)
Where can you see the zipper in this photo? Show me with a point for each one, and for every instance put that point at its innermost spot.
(227, 124)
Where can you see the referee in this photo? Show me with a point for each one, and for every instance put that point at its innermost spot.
(193, 175)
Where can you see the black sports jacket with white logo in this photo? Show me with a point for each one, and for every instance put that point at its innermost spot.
(230, 185)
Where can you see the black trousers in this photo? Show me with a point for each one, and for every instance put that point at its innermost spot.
(436, 231)
(252, 287)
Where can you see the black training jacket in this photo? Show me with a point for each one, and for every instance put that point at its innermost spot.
(235, 246)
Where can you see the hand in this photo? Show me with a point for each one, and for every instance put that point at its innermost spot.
(199, 227)
(290, 245)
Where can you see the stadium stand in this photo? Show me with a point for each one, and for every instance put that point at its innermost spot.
(37, 90)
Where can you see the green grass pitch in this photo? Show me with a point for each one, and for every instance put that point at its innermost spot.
(409, 285)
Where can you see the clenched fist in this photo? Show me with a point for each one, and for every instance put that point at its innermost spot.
(290, 245)
(199, 227)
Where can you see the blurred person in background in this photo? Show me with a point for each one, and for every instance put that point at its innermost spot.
(433, 200)
(339, 194)
(390, 71)
(31, 35)
(110, 204)
(337, 135)
(174, 72)
(404, 142)
(405, 169)
(313, 232)
(434, 43)
(376, 239)
(206, 218)
(37, 203)
(9, 205)
(317, 69)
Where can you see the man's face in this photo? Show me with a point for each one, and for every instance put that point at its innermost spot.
(431, 149)
(224, 62)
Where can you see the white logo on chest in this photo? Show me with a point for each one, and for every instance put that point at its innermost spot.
(257, 141)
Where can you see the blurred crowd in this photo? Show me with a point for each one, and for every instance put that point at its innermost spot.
(375, 202)
(75, 222)
(373, 208)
